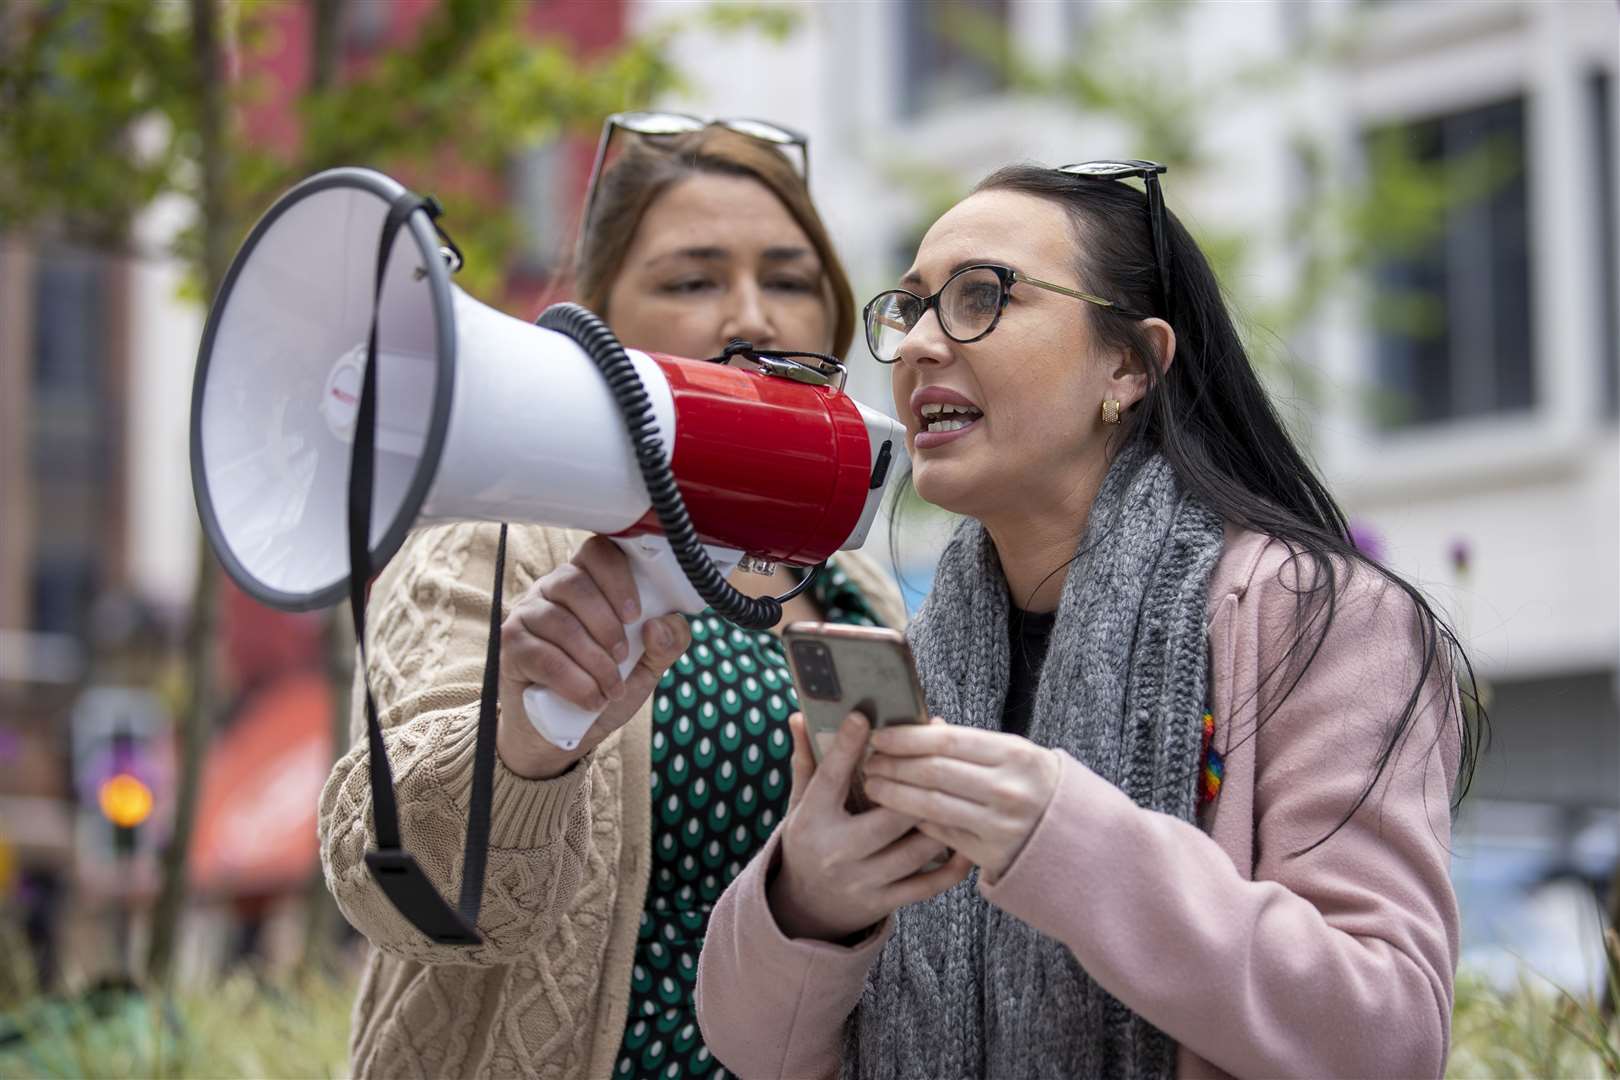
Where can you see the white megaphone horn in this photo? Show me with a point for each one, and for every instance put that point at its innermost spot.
(483, 417)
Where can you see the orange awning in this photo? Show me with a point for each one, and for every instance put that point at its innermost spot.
(261, 785)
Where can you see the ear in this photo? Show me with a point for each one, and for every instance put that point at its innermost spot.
(1128, 381)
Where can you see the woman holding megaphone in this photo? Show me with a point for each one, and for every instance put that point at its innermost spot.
(1196, 749)
(604, 860)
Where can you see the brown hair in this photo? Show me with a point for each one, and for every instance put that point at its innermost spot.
(643, 173)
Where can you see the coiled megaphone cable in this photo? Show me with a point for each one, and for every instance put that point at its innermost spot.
(588, 330)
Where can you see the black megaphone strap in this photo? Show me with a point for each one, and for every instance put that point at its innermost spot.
(396, 871)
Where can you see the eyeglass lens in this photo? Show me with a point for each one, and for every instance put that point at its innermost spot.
(967, 305)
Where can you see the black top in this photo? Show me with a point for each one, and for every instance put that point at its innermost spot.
(1028, 634)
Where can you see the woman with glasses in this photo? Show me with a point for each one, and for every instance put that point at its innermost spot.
(604, 861)
(1193, 753)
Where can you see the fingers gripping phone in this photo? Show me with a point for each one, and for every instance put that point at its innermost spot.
(843, 669)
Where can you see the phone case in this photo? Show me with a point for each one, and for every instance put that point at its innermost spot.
(874, 675)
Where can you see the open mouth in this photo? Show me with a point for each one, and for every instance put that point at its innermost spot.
(939, 417)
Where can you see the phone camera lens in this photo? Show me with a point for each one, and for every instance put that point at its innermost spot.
(813, 664)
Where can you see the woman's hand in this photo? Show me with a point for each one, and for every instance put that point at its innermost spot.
(567, 634)
(843, 872)
(981, 792)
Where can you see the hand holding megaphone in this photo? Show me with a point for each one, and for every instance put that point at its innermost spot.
(567, 645)
(589, 636)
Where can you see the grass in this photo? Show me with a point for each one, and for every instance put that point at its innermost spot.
(1535, 1030)
(241, 1026)
(244, 1026)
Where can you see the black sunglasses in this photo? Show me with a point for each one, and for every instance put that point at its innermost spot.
(655, 126)
(969, 305)
(1148, 172)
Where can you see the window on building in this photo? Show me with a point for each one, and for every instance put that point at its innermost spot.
(1455, 327)
(68, 292)
(952, 50)
(1606, 216)
(543, 197)
(365, 26)
(1296, 22)
(72, 428)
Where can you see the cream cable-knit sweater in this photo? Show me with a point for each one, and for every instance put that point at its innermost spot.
(546, 993)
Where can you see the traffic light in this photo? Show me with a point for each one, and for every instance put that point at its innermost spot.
(121, 771)
(125, 799)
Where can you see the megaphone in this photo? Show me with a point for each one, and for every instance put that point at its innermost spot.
(484, 417)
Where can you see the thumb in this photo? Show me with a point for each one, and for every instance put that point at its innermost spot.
(804, 760)
(664, 639)
(830, 784)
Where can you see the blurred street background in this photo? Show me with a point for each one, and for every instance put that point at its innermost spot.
(1413, 204)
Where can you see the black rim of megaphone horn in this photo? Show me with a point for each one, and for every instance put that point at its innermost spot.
(427, 243)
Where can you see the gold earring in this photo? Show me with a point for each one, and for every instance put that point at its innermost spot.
(1110, 411)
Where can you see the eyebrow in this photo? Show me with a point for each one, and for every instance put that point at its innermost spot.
(698, 254)
(913, 277)
(787, 254)
(719, 254)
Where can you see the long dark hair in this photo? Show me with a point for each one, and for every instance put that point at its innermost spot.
(1213, 422)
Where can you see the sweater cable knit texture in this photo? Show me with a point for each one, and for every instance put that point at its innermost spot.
(546, 993)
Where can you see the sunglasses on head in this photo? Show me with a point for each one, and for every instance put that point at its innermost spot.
(1148, 172)
(971, 301)
(657, 127)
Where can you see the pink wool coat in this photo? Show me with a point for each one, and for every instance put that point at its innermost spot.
(1257, 961)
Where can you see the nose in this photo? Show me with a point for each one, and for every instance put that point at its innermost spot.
(748, 318)
(926, 344)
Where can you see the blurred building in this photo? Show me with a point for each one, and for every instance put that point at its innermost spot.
(65, 385)
(1492, 426)
(98, 557)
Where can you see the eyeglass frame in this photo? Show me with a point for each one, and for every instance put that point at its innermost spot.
(1008, 277)
(619, 122)
(1148, 172)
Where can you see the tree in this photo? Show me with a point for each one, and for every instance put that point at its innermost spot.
(107, 106)
(1125, 75)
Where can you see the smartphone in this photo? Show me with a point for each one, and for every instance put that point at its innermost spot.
(841, 669)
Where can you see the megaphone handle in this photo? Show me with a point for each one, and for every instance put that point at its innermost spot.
(663, 588)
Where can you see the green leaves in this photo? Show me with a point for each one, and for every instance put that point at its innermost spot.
(100, 111)
(86, 92)
(1129, 70)
(775, 22)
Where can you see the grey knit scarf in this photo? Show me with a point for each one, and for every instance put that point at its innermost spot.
(962, 989)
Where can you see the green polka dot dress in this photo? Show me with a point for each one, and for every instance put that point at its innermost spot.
(721, 770)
